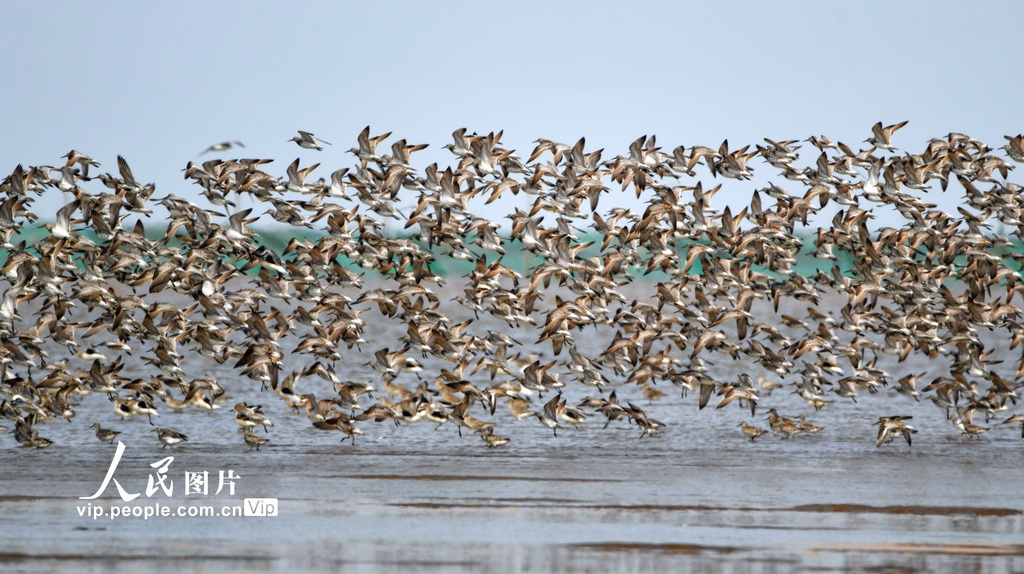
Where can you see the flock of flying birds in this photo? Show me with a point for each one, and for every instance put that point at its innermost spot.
(941, 286)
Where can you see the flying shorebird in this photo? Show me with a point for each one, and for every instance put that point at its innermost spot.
(549, 417)
(890, 427)
(1017, 418)
(250, 416)
(882, 136)
(1014, 149)
(341, 422)
(308, 141)
(83, 160)
(222, 146)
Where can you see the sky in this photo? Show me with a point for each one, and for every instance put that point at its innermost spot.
(159, 82)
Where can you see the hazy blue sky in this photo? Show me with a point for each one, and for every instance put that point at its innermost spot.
(158, 82)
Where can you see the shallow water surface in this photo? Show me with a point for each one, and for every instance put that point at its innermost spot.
(409, 500)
